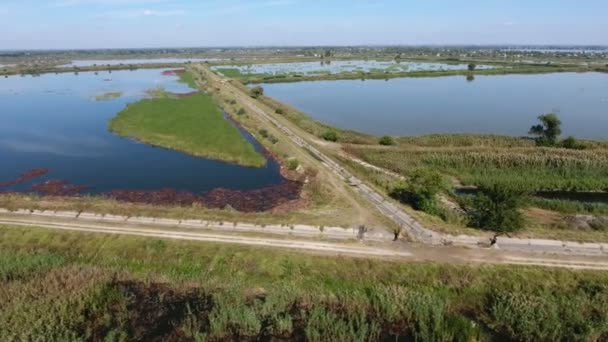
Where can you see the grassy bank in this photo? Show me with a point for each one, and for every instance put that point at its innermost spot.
(73, 286)
(191, 124)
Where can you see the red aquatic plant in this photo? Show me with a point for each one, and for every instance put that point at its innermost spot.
(24, 177)
(173, 72)
(57, 187)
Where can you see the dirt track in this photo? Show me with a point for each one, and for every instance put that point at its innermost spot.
(396, 251)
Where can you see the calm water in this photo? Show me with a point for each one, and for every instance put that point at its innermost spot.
(489, 104)
(335, 67)
(92, 62)
(54, 122)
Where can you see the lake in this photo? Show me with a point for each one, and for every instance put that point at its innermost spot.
(335, 67)
(506, 104)
(94, 62)
(55, 122)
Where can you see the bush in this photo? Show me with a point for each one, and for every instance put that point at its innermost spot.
(421, 190)
(387, 141)
(263, 133)
(292, 164)
(496, 209)
(279, 111)
(273, 139)
(330, 135)
(257, 92)
(572, 143)
(472, 67)
(241, 111)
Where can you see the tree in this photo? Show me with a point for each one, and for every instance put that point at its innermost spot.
(548, 130)
(330, 135)
(421, 190)
(496, 209)
(257, 92)
(472, 66)
(387, 140)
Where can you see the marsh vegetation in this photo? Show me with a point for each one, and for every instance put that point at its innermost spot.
(114, 287)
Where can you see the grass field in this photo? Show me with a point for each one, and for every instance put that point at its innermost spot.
(75, 286)
(191, 124)
(487, 163)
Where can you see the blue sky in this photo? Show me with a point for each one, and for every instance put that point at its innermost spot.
(43, 24)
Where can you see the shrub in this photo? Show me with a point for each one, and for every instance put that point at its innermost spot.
(257, 92)
(387, 141)
(421, 190)
(279, 111)
(496, 209)
(293, 164)
(472, 66)
(263, 133)
(330, 135)
(571, 143)
(241, 111)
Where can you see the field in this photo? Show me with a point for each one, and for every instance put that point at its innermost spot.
(73, 286)
(523, 168)
(192, 124)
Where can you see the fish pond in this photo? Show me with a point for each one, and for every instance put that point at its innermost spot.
(96, 62)
(54, 135)
(506, 104)
(337, 67)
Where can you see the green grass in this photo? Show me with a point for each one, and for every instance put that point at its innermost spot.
(188, 78)
(230, 72)
(191, 124)
(522, 168)
(97, 287)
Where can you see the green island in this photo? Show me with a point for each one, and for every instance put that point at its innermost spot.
(125, 288)
(108, 96)
(192, 124)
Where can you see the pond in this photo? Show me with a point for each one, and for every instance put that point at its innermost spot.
(59, 123)
(95, 62)
(506, 104)
(336, 67)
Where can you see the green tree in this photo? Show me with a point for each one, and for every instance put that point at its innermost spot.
(472, 66)
(548, 130)
(387, 140)
(496, 209)
(330, 135)
(421, 190)
(257, 92)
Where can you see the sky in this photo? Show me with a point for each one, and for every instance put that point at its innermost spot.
(86, 24)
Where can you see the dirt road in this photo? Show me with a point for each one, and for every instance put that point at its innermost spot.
(396, 251)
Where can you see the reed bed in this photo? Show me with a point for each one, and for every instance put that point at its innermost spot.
(521, 168)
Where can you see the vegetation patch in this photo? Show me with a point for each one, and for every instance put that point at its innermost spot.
(128, 288)
(190, 124)
(544, 168)
(108, 96)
